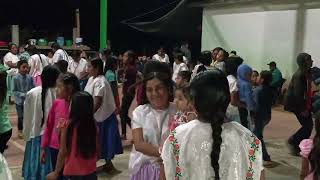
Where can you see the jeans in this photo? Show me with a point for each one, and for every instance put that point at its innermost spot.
(4, 138)
(19, 109)
(244, 117)
(304, 132)
(258, 131)
(125, 119)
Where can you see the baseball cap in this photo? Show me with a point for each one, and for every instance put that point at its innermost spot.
(272, 63)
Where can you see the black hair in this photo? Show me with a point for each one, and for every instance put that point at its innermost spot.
(49, 78)
(234, 52)
(225, 54)
(55, 45)
(132, 57)
(71, 81)
(178, 56)
(82, 120)
(76, 54)
(314, 156)
(255, 71)
(111, 63)
(205, 58)
(302, 58)
(160, 71)
(3, 87)
(19, 64)
(232, 64)
(211, 97)
(217, 49)
(62, 65)
(185, 75)
(10, 45)
(97, 63)
(107, 52)
(32, 49)
(267, 77)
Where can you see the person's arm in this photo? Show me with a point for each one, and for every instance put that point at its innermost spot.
(142, 146)
(61, 155)
(304, 168)
(97, 103)
(9, 62)
(249, 99)
(262, 176)
(299, 92)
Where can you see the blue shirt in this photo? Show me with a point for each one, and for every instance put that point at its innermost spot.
(21, 85)
(245, 87)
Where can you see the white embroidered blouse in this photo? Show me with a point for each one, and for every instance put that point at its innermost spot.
(186, 153)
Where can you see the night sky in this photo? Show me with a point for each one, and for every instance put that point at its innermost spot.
(56, 18)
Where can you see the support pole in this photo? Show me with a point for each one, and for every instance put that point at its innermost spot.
(103, 23)
(15, 34)
(78, 22)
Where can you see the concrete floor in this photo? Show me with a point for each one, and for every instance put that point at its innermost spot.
(281, 127)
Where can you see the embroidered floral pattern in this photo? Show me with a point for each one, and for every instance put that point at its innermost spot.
(176, 152)
(255, 145)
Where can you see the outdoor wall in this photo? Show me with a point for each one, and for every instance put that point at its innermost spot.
(261, 34)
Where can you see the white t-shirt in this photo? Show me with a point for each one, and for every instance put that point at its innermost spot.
(161, 59)
(100, 87)
(77, 67)
(188, 149)
(36, 64)
(151, 121)
(33, 112)
(60, 54)
(14, 59)
(232, 111)
(195, 70)
(177, 68)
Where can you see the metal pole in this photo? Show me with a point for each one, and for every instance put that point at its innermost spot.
(103, 23)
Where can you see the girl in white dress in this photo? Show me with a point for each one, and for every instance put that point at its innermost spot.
(208, 148)
(36, 109)
(150, 122)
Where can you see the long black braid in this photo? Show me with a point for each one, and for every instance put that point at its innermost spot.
(49, 77)
(211, 97)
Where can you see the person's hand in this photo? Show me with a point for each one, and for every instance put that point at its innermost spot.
(43, 156)
(52, 176)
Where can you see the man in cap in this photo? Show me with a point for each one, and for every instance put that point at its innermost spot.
(276, 75)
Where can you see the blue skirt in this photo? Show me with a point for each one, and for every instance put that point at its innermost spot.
(32, 168)
(110, 140)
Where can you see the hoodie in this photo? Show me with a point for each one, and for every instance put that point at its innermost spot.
(245, 87)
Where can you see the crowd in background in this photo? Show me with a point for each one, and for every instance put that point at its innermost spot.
(200, 117)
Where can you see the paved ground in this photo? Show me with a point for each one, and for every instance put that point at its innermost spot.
(282, 125)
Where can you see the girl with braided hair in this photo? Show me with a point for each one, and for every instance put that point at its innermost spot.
(210, 148)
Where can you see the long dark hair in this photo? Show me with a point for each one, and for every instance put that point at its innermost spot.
(70, 81)
(82, 119)
(132, 57)
(49, 77)
(160, 71)
(3, 87)
(210, 94)
(111, 64)
(314, 156)
(232, 64)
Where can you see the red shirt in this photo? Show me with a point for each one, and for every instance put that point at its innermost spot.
(75, 165)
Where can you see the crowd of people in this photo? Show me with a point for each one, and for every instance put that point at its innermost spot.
(202, 120)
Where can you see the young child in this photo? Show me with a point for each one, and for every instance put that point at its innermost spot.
(62, 66)
(178, 65)
(5, 125)
(129, 79)
(310, 169)
(78, 141)
(111, 76)
(245, 93)
(184, 106)
(219, 63)
(104, 113)
(263, 100)
(67, 85)
(22, 83)
(255, 79)
(37, 105)
(183, 78)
